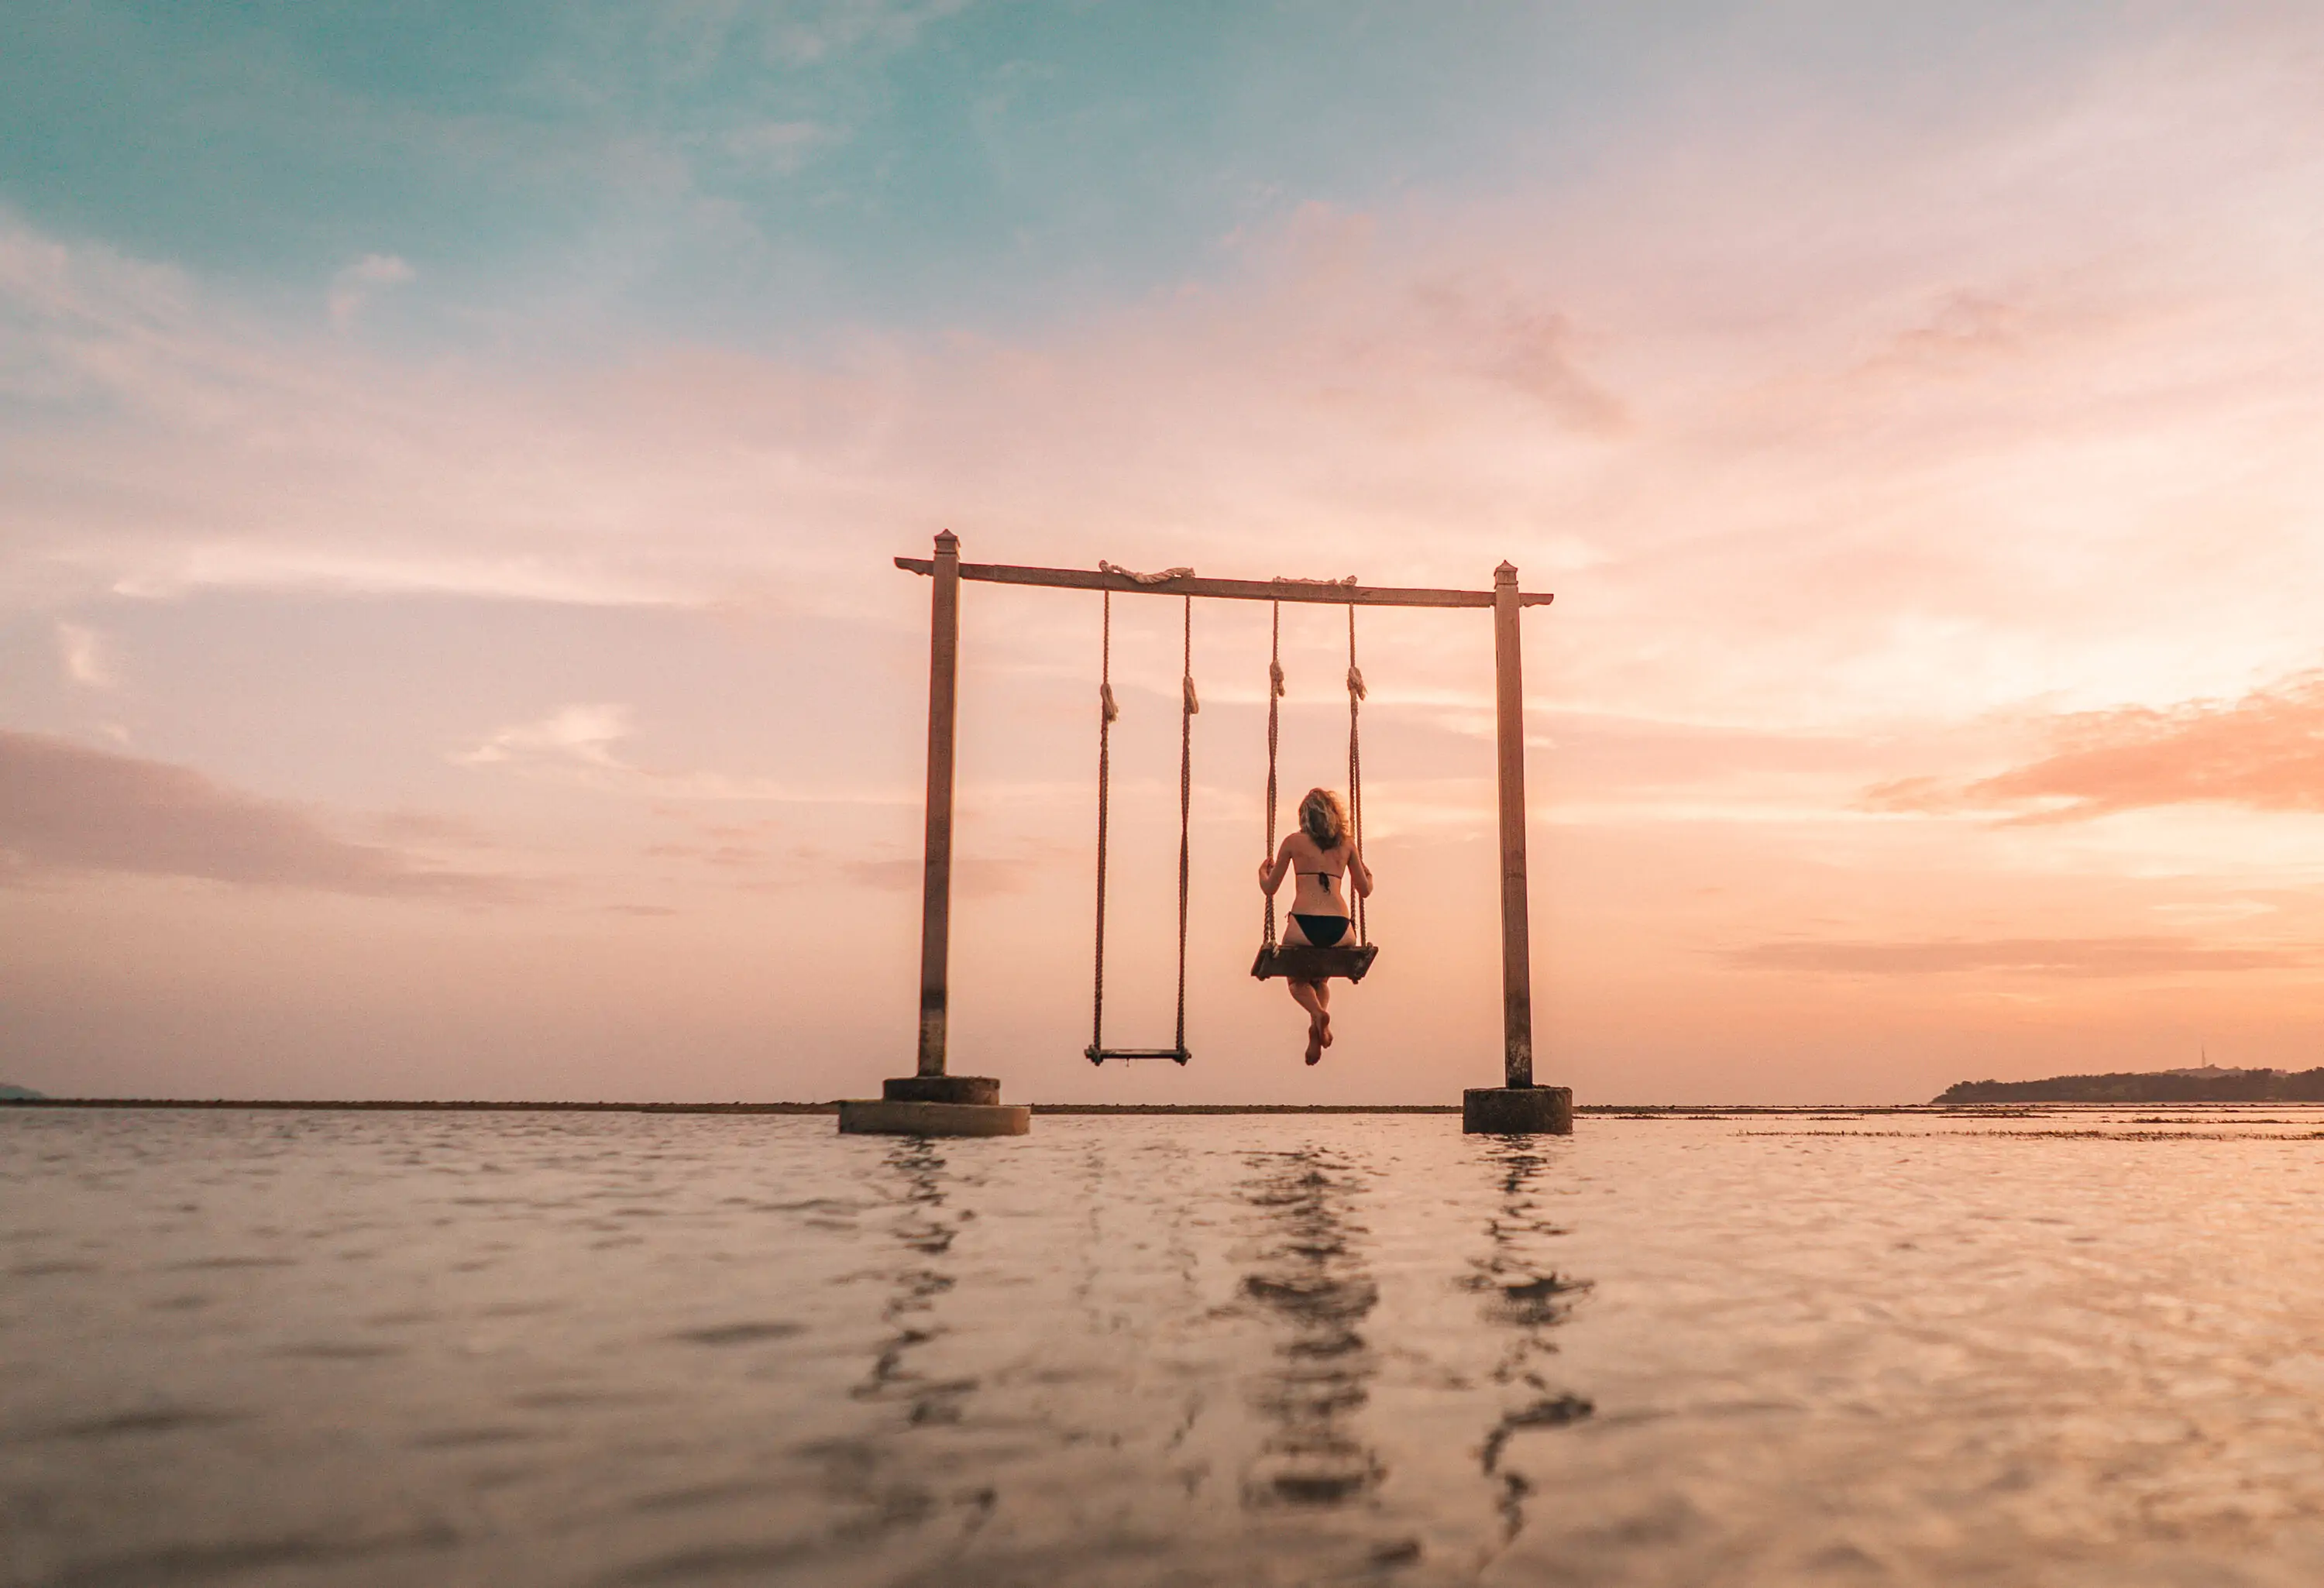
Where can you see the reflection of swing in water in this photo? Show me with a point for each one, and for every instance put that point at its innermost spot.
(1523, 1292)
(1313, 1279)
(1305, 964)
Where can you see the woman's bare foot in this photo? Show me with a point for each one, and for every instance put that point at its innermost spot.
(1327, 1031)
(1316, 1041)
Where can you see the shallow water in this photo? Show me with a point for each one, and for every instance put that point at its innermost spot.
(440, 1349)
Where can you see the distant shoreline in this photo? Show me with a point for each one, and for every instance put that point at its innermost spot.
(2149, 1088)
(1650, 1110)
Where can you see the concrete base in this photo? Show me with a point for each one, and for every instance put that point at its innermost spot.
(1517, 1111)
(941, 1089)
(888, 1117)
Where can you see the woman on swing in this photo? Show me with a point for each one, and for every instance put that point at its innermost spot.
(1321, 850)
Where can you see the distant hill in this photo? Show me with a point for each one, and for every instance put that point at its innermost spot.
(17, 1094)
(2198, 1085)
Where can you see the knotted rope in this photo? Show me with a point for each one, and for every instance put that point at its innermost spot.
(1356, 693)
(1274, 732)
(1188, 707)
(1108, 711)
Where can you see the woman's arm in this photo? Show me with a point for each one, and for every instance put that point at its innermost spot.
(1358, 872)
(1271, 872)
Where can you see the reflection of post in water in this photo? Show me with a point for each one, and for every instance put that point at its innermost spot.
(926, 1230)
(1310, 1275)
(1524, 1293)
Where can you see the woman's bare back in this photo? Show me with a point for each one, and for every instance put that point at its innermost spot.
(1322, 876)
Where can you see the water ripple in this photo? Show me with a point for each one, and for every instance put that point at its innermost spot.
(617, 1350)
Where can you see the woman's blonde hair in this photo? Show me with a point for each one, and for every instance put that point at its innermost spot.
(1323, 818)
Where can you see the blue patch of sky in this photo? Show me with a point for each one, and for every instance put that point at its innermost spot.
(765, 172)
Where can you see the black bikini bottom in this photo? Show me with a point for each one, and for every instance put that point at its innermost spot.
(1323, 930)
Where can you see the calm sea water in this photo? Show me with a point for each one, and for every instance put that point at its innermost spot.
(429, 1348)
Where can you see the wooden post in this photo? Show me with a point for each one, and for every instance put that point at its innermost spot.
(932, 1103)
(1509, 733)
(936, 888)
(1517, 1106)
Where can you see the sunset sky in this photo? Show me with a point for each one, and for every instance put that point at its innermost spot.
(451, 457)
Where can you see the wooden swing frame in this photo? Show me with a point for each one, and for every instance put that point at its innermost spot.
(1506, 601)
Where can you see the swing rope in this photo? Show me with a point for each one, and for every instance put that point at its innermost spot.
(1188, 705)
(1107, 712)
(1274, 732)
(1356, 694)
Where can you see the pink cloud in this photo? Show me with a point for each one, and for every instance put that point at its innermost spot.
(2264, 752)
(2037, 956)
(64, 807)
(355, 286)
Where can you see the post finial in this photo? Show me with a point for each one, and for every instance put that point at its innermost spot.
(1507, 574)
(947, 543)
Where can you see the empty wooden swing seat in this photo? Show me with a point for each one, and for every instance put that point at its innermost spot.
(1097, 1055)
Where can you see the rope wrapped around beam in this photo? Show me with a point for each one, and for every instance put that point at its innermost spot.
(1164, 577)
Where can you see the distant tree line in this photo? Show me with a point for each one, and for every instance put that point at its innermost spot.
(2233, 1086)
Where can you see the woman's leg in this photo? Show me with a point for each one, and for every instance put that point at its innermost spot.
(1324, 1009)
(1308, 996)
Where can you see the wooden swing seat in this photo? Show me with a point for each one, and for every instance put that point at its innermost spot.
(1303, 962)
(1097, 1055)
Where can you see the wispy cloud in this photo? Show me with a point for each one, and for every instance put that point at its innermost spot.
(974, 877)
(813, 32)
(85, 655)
(355, 286)
(580, 743)
(64, 807)
(2264, 752)
(574, 735)
(783, 146)
(2036, 957)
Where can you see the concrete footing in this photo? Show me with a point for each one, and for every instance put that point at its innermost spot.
(915, 1116)
(1517, 1111)
(941, 1089)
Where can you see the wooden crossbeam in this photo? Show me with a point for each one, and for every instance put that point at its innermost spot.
(1074, 578)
